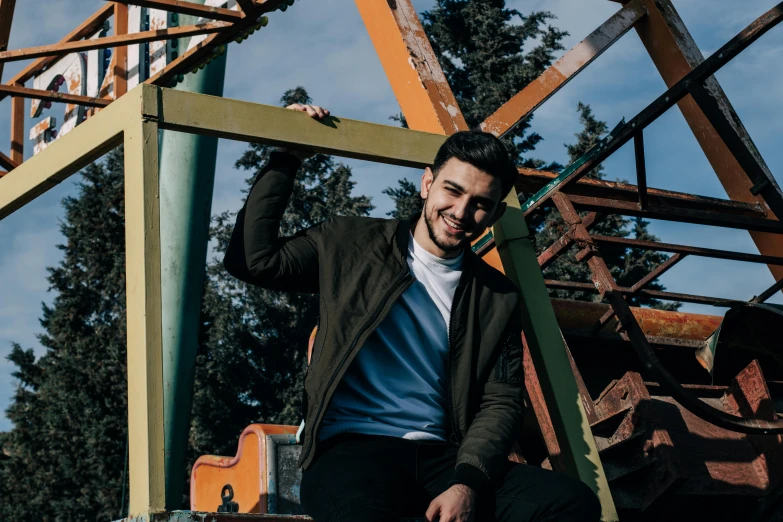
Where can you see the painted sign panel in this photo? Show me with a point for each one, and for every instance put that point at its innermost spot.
(92, 73)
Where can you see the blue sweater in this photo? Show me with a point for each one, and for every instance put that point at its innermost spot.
(396, 385)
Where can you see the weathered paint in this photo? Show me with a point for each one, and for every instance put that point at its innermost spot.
(41, 133)
(675, 54)
(84, 30)
(411, 66)
(71, 70)
(246, 472)
(539, 90)
(6, 19)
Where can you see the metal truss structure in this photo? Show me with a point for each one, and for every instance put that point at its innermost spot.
(580, 434)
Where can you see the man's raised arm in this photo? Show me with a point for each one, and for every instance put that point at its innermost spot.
(255, 253)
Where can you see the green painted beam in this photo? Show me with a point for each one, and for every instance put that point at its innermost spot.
(257, 123)
(579, 454)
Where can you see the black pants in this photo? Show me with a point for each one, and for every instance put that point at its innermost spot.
(364, 478)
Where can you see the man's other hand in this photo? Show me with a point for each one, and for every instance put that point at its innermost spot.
(314, 111)
(453, 505)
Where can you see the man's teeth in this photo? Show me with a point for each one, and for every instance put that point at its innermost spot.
(452, 224)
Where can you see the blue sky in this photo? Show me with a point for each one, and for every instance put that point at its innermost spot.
(324, 47)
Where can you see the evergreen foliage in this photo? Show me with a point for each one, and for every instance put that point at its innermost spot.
(65, 455)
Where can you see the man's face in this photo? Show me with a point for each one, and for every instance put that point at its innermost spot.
(460, 203)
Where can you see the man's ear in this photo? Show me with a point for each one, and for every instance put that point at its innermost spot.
(499, 212)
(426, 182)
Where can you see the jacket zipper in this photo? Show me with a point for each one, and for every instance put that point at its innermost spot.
(394, 291)
(455, 435)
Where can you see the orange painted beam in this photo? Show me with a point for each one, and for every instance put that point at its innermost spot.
(411, 66)
(6, 18)
(568, 66)
(119, 61)
(37, 94)
(185, 7)
(675, 54)
(7, 162)
(87, 28)
(61, 49)
(17, 129)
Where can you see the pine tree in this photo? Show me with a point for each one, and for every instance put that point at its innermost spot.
(255, 340)
(65, 455)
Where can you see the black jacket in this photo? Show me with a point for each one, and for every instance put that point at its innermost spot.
(358, 266)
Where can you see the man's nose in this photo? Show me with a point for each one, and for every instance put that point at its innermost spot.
(459, 209)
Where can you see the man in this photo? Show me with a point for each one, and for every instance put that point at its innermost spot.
(413, 396)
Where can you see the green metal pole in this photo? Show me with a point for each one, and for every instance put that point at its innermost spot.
(187, 174)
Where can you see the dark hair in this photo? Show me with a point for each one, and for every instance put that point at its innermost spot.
(482, 150)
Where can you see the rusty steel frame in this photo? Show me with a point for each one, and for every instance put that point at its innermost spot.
(768, 188)
(6, 19)
(605, 284)
(184, 7)
(113, 41)
(428, 104)
(220, 33)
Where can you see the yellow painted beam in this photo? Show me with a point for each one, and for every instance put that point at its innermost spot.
(256, 123)
(145, 352)
(579, 454)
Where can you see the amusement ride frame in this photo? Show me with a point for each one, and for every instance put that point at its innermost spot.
(134, 119)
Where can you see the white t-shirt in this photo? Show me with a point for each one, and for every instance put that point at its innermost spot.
(396, 385)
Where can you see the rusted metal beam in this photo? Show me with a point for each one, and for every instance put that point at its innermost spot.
(531, 180)
(7, 162)
(691, 250)
(36, 94)
(113, 41)
(658, 271)
(556, 249)
(641, 168)
(246, 6)
(197, 54)
(582, 315)
(769, 292)
(604, 282)
(87, 28)
(674, 94)
(6, 19)
(190, 8)
(568, 66)
(17, 128)
(411, 66)
(654, 294)
(682, 215)
(741, 147)
(120, 59)
(675, 54)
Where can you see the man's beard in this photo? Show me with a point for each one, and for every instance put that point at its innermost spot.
(434, 238)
